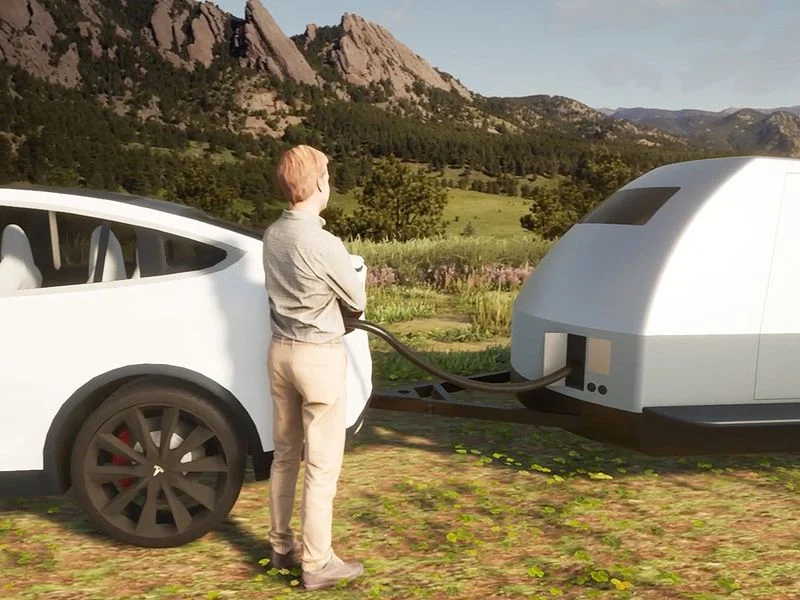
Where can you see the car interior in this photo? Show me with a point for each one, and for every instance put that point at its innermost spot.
(41, 248)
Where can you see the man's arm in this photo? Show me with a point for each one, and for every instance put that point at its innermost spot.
(336, 269)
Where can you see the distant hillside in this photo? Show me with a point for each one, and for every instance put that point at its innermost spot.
(743, 130)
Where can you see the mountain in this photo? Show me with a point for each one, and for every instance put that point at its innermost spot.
(256, 78)
(366, 54)
(178, 97)
(567, 115)
(744, 130)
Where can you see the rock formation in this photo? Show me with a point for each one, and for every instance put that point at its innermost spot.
(367, 53)
(27, 30)
(267, 48)
(208, 29)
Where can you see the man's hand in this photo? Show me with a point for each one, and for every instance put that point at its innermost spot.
(349, 314)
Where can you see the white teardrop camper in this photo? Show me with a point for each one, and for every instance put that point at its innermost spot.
(678, 301)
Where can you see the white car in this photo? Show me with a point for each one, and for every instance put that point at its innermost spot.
(127, 321)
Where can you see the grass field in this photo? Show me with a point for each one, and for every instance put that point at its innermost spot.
(450, 508)
(489, 214)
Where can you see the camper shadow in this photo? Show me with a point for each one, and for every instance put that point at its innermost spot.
(508, 445)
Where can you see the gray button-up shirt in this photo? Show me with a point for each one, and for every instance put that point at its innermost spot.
(308, 269)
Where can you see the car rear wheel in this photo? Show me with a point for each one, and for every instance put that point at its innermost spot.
(157, 465)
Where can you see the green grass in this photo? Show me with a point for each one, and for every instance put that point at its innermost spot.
(453, 508)
(490, 215)
(392, 304)
(489, 310)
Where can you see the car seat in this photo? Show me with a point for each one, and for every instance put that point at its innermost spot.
(114, 267)
(17, 268)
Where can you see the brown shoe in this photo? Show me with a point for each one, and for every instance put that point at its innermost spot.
(287, 561)
(332, 573)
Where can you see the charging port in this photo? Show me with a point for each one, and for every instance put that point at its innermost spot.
(576, 358)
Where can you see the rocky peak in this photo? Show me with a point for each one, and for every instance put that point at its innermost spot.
(208, 29)
(168, 25)
(267, 48)
(311, 32)
(366, 53)
(165, 24)
(27, 34)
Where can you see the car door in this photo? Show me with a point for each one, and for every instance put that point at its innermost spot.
(76, 327)
(34, 366)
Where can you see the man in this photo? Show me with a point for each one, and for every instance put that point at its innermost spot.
(310, 281)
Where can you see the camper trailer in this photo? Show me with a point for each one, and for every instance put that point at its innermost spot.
(677, 301)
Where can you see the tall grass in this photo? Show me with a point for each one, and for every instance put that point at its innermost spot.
(489, 310)
(396, 304)
(453, 264)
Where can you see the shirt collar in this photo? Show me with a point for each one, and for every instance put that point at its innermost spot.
(303, 215)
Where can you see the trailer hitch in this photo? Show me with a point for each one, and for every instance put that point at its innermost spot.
(463, 382)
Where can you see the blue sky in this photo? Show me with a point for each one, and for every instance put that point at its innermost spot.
(707, 54)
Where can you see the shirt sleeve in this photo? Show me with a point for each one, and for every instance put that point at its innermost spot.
(333, 265)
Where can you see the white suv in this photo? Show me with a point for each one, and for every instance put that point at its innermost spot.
(127, 321)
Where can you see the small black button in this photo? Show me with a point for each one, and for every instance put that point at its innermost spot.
(602, 389)
(590, 387)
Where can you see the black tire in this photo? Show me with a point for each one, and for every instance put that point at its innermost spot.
(153, 498)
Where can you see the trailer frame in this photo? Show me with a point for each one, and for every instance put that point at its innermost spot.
(436, 398)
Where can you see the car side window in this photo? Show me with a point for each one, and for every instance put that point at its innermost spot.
(66, 248)
(79, 241)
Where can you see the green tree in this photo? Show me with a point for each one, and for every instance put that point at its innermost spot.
(6, 160)
(606, 173)
(345, 175)
(336, 221)
(195, 185)
(399, 203)
(554, 210)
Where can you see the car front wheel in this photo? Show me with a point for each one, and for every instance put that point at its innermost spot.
(157, 465)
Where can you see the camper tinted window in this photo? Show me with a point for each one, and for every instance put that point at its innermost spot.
(634, 206)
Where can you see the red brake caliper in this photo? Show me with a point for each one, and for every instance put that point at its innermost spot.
(122, 460)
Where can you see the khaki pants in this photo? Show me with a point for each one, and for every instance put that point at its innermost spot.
(308, 387)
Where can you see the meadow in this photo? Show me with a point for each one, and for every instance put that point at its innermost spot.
(490, 215)
(451, 508)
